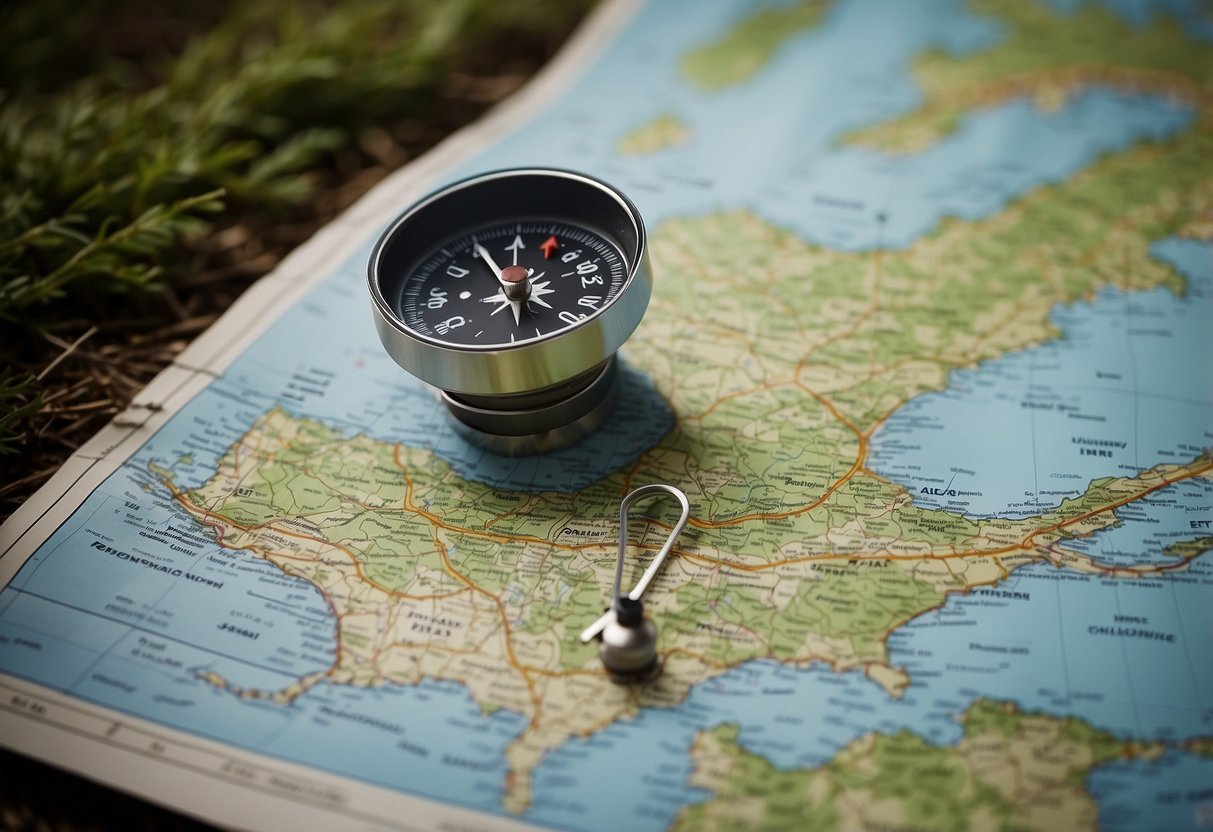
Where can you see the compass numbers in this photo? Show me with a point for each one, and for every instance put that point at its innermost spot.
(443, 327)
(587, 271)
(512, 282)
(588, 278)
(591, 302)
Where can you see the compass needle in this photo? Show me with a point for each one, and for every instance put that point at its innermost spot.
(484, 255)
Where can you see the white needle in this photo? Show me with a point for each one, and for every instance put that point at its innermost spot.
(484, 255)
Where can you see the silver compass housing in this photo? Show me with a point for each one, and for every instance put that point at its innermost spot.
(540, 393)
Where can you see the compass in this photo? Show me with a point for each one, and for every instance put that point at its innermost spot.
(511, 292)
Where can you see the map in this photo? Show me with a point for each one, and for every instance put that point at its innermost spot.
(929, 351)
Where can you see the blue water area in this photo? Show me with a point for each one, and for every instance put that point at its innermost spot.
(1128, 655)
(1175, 792)
(1123, 389)
(430, 739)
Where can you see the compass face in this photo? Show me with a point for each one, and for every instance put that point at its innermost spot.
(511, 283)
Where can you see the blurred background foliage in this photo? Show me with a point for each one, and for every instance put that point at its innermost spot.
(157, 157)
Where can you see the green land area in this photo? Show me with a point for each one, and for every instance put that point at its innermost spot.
(661, 133)
(747, 48)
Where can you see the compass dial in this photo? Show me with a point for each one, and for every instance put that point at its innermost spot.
(511, 282)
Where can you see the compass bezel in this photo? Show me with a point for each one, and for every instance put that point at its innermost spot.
(492, 198)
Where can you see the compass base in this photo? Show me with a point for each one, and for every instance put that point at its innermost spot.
(512, 430)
